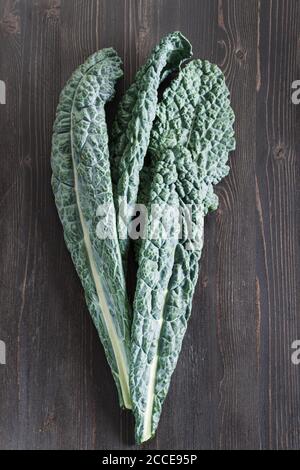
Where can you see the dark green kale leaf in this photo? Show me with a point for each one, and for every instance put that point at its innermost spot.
(82, 187)
(132, 127)
(190, 142)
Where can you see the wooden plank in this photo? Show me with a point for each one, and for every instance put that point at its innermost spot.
(277, 172)
(227, 301)
(12, 249)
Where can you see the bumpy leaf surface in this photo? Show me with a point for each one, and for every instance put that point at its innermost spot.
(191, 139)
(132, 127)
(82, 186)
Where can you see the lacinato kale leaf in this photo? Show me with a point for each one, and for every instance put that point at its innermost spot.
(132, 127)
(190, 142)
(82, 186)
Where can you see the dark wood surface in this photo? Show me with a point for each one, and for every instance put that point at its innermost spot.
(235, 386)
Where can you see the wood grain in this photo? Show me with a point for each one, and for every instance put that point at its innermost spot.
(235, 386)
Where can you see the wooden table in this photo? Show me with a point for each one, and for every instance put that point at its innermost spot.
(235, 386)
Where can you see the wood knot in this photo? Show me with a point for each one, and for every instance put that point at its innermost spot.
(10, 24)
(48, 423)
(48, 9)
(205, 282)
(53, 13)
(219, 212)
(241, 54)
(280, 152)
(27, 161)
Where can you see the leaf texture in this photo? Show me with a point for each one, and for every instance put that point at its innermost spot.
(82, 186)
(191, 139)
(132, 127)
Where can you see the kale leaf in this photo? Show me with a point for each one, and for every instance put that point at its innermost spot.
(82, 186)
(132, 127)
(190, 142)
